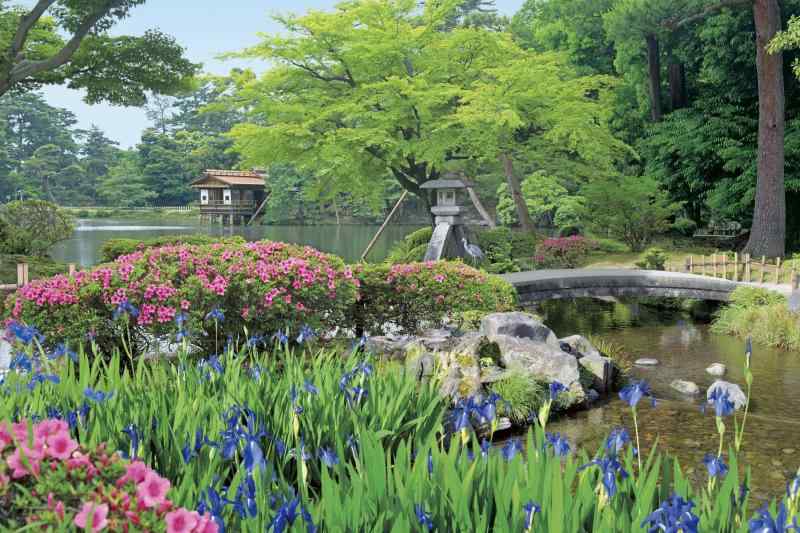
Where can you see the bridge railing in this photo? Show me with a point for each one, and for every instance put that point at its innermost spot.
(23, 277)
(743, 267)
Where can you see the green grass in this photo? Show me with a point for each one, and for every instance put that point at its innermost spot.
(615, 254)
(524, 396)
(762, 315)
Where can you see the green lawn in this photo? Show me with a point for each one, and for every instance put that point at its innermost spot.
(676, 249)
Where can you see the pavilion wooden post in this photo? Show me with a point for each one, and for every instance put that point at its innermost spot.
(383, 226)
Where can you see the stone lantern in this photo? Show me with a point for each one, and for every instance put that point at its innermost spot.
(449, 235)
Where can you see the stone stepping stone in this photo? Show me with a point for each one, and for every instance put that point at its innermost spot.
(717, 369)
(685, 387)
(646, 361)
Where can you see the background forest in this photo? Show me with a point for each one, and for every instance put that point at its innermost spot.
(693, 135)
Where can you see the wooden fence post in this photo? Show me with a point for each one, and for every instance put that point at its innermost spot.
(689, 265)
(714, 263)
(703, 265)
(724, 266)
(763, 268)
(735, 266)
(22, 274)
(72, 269)
(747, 268)
(778, 271)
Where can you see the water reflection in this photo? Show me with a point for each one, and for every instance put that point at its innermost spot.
(347, 241)
(685, 349)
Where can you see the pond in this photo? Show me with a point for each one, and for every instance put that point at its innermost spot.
(685, 348)
(347, 241)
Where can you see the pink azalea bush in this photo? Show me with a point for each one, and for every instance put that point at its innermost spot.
(564, 252)
(418, 295)
(48, 480)
(263, 286)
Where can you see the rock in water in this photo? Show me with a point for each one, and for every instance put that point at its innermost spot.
(646, 361)
(579, 346)
(601, 368)
(539, 359)
(685, 387)
(735, 392)
(717, 369)
(520, 325)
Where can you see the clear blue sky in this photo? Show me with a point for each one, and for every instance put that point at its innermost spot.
(206, 28)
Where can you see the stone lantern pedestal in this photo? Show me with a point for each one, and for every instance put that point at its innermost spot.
(449, 233)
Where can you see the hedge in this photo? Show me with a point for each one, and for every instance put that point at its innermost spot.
(112, 249)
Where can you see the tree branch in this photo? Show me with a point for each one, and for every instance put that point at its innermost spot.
(319, 76)
(26, 23)
(677, 23)
(30, 68)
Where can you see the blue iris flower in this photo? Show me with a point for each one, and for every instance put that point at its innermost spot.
(281, 337)
(97, 396)
(511, 449)
(617, 440)
(310, 388)
(246, 497)
(125, 309)
(430, 462)
(308, 519)
(213, 503)
(42, 378)
(634, 392)
(305, 334)
(355, 395)
(25, 334)
(720, 399)
(21, 362)
(135, 436)
(328, 457)
(673, 515)
(286, 516)
(559, 444)
(530, 509)
(216, 314)
(485, 447)
(61, 351)
(423, 517)
(460, 416)
(715, 465)
(765, 523)
(609, 467)
(556, 388)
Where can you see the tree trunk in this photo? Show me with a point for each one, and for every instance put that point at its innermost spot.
(768, 234)
(677, 86)
(515, 189)
(654, 76)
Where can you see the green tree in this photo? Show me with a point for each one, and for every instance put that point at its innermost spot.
(53, 173)
(67, 41)
(361, 94)
(32, 227)
(98, 154)
(162, 163)
(631, 209)
(124, 185)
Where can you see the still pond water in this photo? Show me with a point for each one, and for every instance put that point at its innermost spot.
(347, 241)
(685, 348)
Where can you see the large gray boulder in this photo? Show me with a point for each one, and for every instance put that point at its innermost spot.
(537, 358)
(602, 370)
(521, 325)
(389, 347)
(735, 392)
(472, 344)
(579, 346)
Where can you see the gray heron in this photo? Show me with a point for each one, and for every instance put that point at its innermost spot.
(472, 250)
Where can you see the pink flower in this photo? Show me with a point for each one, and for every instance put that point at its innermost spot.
(22, 455)
(181, 521)
(135, 471)
(152, 491)
(98, 514)
(60, 446)
(206, 525)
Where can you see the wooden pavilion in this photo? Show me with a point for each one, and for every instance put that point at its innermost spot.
(231, 196)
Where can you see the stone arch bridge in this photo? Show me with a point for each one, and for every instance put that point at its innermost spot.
(540, 285)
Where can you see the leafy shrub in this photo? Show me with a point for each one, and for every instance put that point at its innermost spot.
(762, 315)
(412, 248)
(504, 248)
(685, 226)
(263, 286)
(610, 246)
(522, 396)
(563, 252)
(755, 297)
(653, 259)
(632, 209)
(31, 227)
(418, 295)
(115, 248)
(48, 480)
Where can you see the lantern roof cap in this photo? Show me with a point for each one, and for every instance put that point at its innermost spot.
(455, 183)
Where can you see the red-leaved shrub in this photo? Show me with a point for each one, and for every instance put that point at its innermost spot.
(564, 252)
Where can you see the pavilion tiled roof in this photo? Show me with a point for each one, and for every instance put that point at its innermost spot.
(233, 177)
